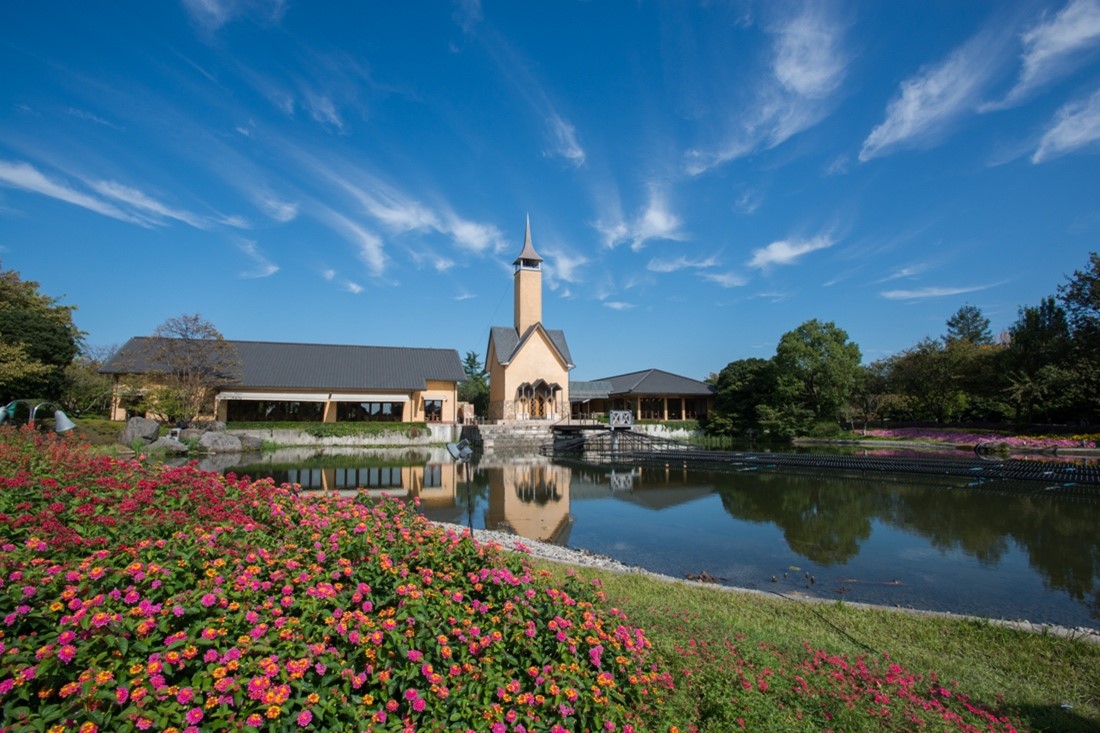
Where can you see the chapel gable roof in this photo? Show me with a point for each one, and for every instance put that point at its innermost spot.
(505, 342)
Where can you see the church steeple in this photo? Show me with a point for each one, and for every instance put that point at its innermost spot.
(528, 257)
(528, 285)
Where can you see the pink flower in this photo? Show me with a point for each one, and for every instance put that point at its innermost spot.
(194, 715)
(122, 695)
(304, 717)
(209, 600)
(66, 653)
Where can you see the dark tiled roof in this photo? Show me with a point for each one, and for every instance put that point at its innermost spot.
(507, 342)
(579, 391)
(657, 382)
(314, 366)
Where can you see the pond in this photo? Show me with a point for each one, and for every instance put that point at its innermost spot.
(1000, 550)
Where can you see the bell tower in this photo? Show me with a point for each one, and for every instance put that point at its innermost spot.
(527, 285)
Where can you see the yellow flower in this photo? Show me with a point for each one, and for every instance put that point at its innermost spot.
(273, 712)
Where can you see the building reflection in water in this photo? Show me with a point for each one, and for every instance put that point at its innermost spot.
(527, 497)
(531, 500)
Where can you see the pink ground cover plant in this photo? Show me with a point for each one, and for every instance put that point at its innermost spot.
(741, 684)
(136, 597)
(965, 438)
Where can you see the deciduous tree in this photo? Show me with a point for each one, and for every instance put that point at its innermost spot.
(817, 367)
(39, 340)
(193, 359)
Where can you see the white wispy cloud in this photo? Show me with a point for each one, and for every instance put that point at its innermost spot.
(808, 65)
(352, 287)
(788, 252)
(560, 131)
(931, 292)
(681, 263)
(725, 279)
(564, 266)
(467, 14)
(368, 245)
(213, 14)
(328, 274)
(275, 207)
(472, 236)
(1076, 125)
(936, 96)
(565, 137)
(322, 109)
(749, 201)
(905, 271)
(1053, 47)
(465, 296)
(618, 305)
(28, 178)
(89, 117)
(655, 221)
(400, 213)
(155, 210)
(261, 266)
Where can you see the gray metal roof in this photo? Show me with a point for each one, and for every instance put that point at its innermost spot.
(581, 391)
(657, 382)
(507, 342)
(314, 366)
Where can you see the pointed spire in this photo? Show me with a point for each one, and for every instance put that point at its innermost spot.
(528, 256)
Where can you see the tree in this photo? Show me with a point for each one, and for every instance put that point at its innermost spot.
(929, 374)
(970, 325)
(1080, 296)
(192, 359)
(1037, 362)
(475, 388)
(38, 337)
(86, 390)
(817, 367)
(870, 391)
(740, 388)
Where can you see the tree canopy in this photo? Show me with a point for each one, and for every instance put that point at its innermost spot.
(38, 339)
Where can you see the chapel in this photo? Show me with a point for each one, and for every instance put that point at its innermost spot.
(528, 364)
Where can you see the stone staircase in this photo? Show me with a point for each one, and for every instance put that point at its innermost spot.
(510, 437)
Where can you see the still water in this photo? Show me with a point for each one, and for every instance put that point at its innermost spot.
(1010, 551)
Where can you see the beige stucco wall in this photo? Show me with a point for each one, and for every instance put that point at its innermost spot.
(537, 359)
(527, 297)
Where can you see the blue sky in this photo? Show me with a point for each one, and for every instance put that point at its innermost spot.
(700, 177)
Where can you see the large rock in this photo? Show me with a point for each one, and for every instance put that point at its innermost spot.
(208, 425)
(139, 428)
(170, 446)
(251, 443)
(191, 434)
(218, 442)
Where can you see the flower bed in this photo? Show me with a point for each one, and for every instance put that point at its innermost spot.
(965, 438)
(140, 598)
(137, 597)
